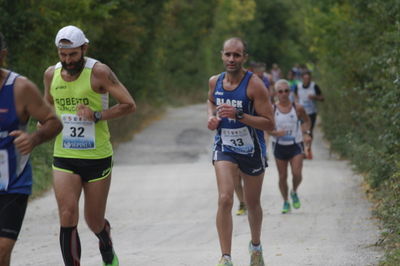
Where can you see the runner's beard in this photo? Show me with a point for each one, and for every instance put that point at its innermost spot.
(78, 66)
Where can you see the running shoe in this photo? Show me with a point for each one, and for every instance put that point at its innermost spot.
(295, 200)
(286, 207)
(256, 255)
(114, 262)
(225, 261)
(242, 209)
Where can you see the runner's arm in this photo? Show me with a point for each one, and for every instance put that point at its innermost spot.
(262, 105)
(110, 83)
(47, 79)
(213, 120)
(28, 97)
(306, 125)
(318, 94)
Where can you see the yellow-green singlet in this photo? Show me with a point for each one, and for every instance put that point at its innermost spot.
(79, 138)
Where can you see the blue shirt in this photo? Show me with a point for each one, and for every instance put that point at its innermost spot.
(15, 169)
(232, 135)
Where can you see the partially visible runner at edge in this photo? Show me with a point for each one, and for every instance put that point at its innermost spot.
(259, 70)
(79, 89)
(20, 99)
(292, 128)
(237, 109)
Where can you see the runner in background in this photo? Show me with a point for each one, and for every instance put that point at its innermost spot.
(307, 94)
(292, 128)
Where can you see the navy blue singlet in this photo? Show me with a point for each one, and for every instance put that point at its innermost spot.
(15, 169)
(232, 135)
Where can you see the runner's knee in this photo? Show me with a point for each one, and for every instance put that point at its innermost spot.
(69, 217)
(95, 225)
(225, 200)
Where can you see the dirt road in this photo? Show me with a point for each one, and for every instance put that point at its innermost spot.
(162, 208)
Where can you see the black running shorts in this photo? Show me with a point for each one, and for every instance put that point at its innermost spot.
(287, 152)
(12, 212)
(253, 166)
(90, 170)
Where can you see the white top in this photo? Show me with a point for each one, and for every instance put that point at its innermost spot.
(308, 104)
(290, 123)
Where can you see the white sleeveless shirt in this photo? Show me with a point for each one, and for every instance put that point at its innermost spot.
(308, 104)
(290, 123)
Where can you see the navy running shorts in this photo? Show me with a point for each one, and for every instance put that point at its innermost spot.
(90, 170)
(12, 213)
(287, 152)
(249, 165)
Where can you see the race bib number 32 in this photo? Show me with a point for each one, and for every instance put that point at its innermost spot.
(78, 133)
(238, 140)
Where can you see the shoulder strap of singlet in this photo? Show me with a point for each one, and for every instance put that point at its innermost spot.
(11, 78)
(90, 62)
(247, 78)
(295, 109)
(220, 78)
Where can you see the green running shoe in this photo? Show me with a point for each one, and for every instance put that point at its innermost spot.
(114, 262)
(242, 209)
(286, 207)
(225, 261)
(295, 200)
(256, 255)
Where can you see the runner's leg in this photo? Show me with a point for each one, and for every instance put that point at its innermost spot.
(225, 172)
(96, 194)
(252, 193)
(6, 246)
(296, 164)
(282, 171)
(67, 189)
(239, 188)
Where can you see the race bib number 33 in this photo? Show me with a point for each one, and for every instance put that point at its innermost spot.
(238, 140)
(78, 133)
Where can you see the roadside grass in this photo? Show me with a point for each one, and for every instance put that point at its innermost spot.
(385, 196)
(388, 210)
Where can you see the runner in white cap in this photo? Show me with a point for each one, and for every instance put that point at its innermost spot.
(78, 87)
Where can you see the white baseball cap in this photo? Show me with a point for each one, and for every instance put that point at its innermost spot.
(72, 34)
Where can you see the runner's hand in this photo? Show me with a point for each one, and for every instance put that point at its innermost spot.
(23, 141)
(279, 133)
(213, 122)
(312, 97)
(85, 112)
(307, 139)
(226, 111)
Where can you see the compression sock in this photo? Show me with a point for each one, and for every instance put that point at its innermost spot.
(70, 246)
(105, 243)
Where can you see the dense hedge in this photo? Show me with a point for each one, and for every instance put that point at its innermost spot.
(356, 45)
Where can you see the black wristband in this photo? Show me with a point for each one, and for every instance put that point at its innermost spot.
(97, 116)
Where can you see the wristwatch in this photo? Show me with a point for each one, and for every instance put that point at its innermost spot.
(239, 114)
(308, 132)
(97, 116)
